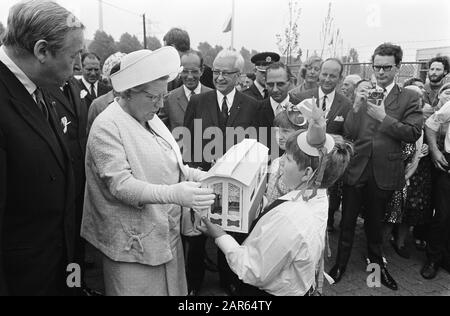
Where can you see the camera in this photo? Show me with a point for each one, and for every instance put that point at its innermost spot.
(376, 96)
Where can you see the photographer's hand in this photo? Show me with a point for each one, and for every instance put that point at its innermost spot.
(376, 112)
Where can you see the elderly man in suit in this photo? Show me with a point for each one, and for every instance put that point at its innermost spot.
(258, 89)
(37, 192)
(225, 111)
(172, 114)
(90, 82)
(336, 107)
(378, 126)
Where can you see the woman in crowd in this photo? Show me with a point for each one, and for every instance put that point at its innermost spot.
(135, 183)
(283, 255)
(309, 74)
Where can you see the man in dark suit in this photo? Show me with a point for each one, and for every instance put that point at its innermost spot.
(258, 89)
(222, 112)
(72, 114)
(378, 126)
(90, 83)
(37, 192)
(336, 107)
(278, 83)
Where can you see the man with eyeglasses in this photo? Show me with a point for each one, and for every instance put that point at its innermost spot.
(172, 114)
(258, 90)
(222, 112)
(377, 168)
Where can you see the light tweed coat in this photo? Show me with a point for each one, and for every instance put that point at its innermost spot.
(120, 164)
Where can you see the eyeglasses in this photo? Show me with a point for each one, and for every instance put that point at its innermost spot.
(193, 72)
(155, 98)
(385, 68)
(219, 73)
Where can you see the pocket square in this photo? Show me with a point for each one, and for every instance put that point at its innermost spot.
(339, 119)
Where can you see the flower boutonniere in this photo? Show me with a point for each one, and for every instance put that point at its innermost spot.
(65, 123)
(83, 94)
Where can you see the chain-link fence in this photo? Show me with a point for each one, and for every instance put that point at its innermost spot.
(365, 70)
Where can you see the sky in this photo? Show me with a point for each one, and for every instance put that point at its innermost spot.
(363, 24)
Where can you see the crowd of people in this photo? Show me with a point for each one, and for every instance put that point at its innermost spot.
(115, 157)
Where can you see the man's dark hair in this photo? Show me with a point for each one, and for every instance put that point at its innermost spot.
(389, 49)
(336, 60)
(179, 39)
(440, 59)
(411, 81)
(195, 52)
(90, 56)
(280, 65)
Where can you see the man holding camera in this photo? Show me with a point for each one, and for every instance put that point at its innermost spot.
(377, 125)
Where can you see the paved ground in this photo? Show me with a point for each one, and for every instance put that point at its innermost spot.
(405, 272)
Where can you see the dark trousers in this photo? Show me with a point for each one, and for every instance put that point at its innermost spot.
(227, 276)
(438, 249)
(195, 261)
(375, 201)
(335, 200)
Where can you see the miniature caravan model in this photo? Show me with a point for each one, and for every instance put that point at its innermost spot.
(239, 182)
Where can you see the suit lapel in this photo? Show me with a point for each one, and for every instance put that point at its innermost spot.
(235, 109)
(393, 95)
(59, 95)
(334, 108)
(213, 109)
(182, 99)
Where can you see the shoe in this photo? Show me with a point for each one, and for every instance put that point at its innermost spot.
(336, 273)
(429, 270)
(401, 251)
(387, 280)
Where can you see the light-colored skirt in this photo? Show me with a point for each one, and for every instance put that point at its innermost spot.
(134, 279)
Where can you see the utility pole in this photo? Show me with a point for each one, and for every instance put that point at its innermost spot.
(145, 31)
(100, 15)
(233, 23)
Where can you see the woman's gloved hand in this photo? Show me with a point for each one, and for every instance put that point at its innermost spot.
(191, 195)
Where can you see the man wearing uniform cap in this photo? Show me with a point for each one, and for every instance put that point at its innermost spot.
(258, 90)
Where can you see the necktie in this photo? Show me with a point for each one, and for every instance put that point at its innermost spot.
(225, 109)
(41, 103)
(93, 91)
(324, 103)
(266, 93)
(192, 93)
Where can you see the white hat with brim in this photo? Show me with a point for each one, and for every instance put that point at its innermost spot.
(313, 150)
(144, 66)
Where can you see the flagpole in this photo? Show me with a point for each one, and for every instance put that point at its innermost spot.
(233, 20)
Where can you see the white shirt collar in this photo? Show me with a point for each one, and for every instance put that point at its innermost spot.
(330, 98)
(230, 99)
(20, 75)
(260, 88)
(388, 88)
(188, 92)
(88, 85)
(275, 104)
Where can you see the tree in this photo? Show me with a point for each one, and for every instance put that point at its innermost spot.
(2, 30)
(288, 44)
(129, 43)
(103, 45)
(153, 43)
(332, 42)
(248, 65)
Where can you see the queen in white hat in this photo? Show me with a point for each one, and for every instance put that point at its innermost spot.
(137, 183)
(283, 255)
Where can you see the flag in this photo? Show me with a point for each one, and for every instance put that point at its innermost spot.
(228, 25)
